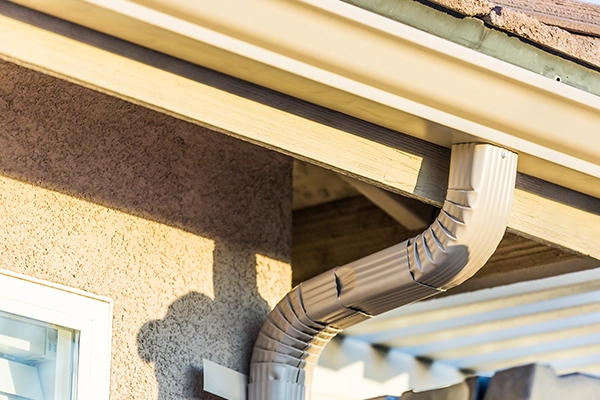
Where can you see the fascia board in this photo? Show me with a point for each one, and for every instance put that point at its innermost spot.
(378, 156)
(344, 58)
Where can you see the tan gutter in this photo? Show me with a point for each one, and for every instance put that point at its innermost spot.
(345, 58)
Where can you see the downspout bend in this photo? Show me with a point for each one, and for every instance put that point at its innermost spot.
(463, 237)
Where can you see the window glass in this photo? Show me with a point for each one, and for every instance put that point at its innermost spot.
(38, 360)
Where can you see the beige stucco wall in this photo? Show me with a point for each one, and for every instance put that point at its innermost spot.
(187, 230)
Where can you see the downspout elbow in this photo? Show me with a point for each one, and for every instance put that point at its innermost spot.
(463, 237)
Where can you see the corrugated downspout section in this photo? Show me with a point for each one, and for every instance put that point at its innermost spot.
(473, 218)
(459, 242)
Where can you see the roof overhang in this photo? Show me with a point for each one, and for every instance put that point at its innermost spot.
(350, 60)
(376, 155)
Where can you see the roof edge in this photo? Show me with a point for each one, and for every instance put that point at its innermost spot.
(360, 69)
(545, 50)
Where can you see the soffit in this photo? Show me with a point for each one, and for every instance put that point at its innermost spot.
(488, 323)
(344, 58)
(376, 155)
(333, 224)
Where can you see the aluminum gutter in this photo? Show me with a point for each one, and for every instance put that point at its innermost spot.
(459, 242)
(473, 33)
(345, 58)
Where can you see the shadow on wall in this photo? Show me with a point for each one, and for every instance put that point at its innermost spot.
(108, 152)
(196, 327)
(158, 343)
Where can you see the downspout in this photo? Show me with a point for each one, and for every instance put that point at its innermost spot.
(465, 234)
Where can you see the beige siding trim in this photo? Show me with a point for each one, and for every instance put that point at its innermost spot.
(347, 59)
(375, 155)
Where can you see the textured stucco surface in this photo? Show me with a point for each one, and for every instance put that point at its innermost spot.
(187, 230)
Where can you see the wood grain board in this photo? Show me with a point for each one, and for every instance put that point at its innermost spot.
(376, 155)
(339, 232)
(335, 233)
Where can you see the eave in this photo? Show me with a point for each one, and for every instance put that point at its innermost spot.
(344, 58)
(353, 147)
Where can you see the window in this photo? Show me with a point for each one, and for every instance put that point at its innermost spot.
(54, 341)
(37, 359)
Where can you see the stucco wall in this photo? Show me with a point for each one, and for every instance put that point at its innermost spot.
(187, 230)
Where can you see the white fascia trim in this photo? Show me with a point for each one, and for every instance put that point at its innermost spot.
(345, 58)
(306, 70)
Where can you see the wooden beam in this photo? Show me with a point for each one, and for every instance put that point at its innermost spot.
(335, 233)
(373, 154)
(501, 361)
(339, 232)
(423, 315)
(555, 215)
(410, 213)
(370, 67)
(446, 330)
(314, 185)
(519, 259)
(524, 341)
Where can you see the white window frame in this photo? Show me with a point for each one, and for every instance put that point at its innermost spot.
(88, 313)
